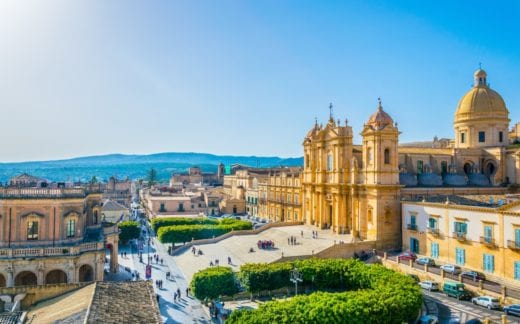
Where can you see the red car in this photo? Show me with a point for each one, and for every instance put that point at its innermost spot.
(405, 256)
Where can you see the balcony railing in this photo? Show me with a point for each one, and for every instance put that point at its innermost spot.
(461, 236)
(42, 193)
(50, 251)
(486, 240)
(515, 245)
(412, 227)
(433, 231)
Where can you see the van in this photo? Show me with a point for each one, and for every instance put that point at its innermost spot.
(455, 289)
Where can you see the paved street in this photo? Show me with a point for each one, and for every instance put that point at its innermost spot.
(464, 310)
(189, 309)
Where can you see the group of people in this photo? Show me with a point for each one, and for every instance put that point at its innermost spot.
(157, 259)
(265, 244)
(177, 294)
(314, 234)
(123, 255)
(159, 283)
(291, 240)
(195, 251)
(216, 263)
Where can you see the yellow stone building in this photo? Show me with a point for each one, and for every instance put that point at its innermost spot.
(357, 189)
(283, 195)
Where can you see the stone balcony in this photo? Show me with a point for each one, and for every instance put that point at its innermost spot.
(459, 236)
(12, 253)
(514, 245)
(411, 227)
(41, 193)
(433, 231)
(488, 241)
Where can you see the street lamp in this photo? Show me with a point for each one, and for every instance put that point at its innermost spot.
(296, 277)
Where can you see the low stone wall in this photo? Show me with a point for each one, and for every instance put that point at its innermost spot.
(423, 275)
(217, 239)
(346, 250)
(37, 294)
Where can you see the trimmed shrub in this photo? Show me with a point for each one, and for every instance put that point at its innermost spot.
(128, 230)
(185, 233)
(377, 294)
(213, 282)
(171, 221)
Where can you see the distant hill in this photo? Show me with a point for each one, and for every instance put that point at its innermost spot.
(134, 166)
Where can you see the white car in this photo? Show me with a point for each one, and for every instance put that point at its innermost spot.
(486, 301)
(429, 285)
(450, 268)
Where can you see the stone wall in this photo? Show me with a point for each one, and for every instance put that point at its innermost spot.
(35, 294)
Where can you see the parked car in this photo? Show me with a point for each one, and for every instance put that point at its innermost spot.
(512, 309)
(450, 268)
(425, 260)
(429, 285)
(455, 289)
(428, 319)
(486, 301)
(407, 256)
(414, 277)
(473, 275)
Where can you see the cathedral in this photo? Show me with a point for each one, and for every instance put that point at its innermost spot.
(358, 189)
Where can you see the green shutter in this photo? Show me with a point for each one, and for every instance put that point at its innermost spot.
(488, 231)
(464, 228)
(517, 270)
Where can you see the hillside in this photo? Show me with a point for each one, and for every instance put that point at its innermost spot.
(133, 166)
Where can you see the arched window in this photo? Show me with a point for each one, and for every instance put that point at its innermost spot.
(330, 162)
(387, 156)
(388, 215)
(71, 228)
(369, 215)
(307, 162)
(369, 155)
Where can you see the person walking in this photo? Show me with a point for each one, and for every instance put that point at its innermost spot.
(187, 292)
(179, 293)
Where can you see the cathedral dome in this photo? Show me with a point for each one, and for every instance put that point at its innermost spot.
(380, 119)
(481, 101)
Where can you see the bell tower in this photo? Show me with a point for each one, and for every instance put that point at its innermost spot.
(381, 220)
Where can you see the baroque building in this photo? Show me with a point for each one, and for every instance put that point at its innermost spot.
(53, 235)
(357, 189)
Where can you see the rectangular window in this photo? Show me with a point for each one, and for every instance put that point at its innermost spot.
(460, 256)
(329, 162)
(434, 253)
(32, 230)
(414, 245)
(488, 232)
(488, 262)
(419, 167)
(461, 227)
(296, 199)
(517, 270)
(462, 137)
(71, 228)
(432, 223)
(413, 220)
(481, 137)
(500, 136)
(517, 237)
(162, 209)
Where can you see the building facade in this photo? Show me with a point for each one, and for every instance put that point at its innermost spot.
(479, 235)
(53, 235)
(284, 195)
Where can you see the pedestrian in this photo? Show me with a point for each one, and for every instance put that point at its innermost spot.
(210, 263)
(175, 296)
(228, 260)
(288, 241)
(179, 293)
(187, 292)
(161, 261)
(301, 233)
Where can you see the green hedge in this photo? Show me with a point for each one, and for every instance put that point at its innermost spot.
(171, 221)
(128, 230)
(185, 233)
(377, 294)
(214, 282)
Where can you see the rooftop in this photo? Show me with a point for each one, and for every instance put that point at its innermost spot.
(490, 201)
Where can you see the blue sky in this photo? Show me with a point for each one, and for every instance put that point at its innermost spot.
(239, 77)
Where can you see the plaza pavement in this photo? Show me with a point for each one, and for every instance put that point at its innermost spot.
(237, 247)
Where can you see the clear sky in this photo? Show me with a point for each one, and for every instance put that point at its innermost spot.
(90, 77)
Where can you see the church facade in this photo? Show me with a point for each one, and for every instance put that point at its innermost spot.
(357, 189)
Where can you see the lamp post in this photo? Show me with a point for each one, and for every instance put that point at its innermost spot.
(296, 277)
